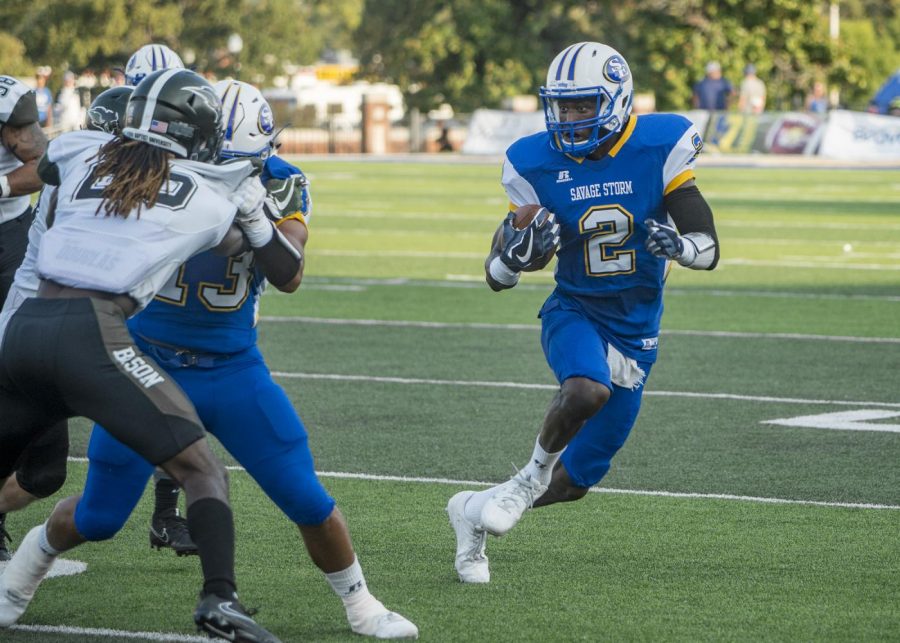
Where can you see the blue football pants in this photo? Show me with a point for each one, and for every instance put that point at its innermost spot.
(252, 417)
(575, 347)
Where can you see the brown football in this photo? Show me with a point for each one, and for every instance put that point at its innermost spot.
(525, 214)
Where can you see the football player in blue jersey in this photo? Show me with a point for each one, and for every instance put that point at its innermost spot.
(201, 329)
(621, 190)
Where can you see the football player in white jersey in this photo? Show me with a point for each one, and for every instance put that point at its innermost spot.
(201, 329)
(129, 211)
(22, 143)
(624, 202)
(41, 470)
(167, 527)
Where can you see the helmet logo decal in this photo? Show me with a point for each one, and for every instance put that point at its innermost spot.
(207, 94)
(266, 120)
(616, 69)
(104, 118)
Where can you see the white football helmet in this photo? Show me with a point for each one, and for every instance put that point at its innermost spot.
(247, 119)
(148, 59)
(587, 70)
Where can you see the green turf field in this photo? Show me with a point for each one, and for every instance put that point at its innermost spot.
(744, 530)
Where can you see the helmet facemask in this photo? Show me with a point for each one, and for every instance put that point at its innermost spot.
(581, 137)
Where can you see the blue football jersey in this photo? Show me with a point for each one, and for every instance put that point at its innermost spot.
(602, 206)
(211, 303)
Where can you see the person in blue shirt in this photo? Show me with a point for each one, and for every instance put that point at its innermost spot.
(201, 328)
(619, 203)
(43, 97)
(713, 92)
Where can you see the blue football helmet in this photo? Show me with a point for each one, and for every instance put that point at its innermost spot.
(587, 70)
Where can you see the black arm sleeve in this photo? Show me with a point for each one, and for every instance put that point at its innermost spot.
(48, 171)
(691, 213)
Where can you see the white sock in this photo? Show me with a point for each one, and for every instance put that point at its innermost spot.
(43, 543)
(540, 467)
(348, 583)
(359, 604)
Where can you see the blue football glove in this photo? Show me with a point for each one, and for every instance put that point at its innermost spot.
(532, 247)
(663, 240)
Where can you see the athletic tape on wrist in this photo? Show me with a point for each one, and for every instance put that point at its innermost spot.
(501, 273)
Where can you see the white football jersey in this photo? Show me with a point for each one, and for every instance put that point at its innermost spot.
(11, 92)
(137, 255)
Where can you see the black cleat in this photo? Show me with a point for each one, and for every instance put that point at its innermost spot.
(227, 619)
(5, 540)
(172, 531)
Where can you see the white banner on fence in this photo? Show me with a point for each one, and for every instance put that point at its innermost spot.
(491, 131)
(858, 136)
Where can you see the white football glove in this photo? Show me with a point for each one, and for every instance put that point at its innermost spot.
(249, 198)
(249, 195)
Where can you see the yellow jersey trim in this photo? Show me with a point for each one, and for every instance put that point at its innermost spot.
(678, 181)
(629, 130)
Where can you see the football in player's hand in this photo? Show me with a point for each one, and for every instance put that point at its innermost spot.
(525, 214)
(517, 221)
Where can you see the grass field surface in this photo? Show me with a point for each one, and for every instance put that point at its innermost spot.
(721, 518)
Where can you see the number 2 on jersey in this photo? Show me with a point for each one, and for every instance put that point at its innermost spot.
(612, 225)
(216, 297)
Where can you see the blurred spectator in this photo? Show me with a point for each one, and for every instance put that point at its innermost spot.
(118, 77)
(713, 92)
(68, 105)
(443, 141)
(817, 99)
(43, 96)
(752, 98)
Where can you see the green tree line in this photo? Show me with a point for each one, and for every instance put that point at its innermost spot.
(474, 53)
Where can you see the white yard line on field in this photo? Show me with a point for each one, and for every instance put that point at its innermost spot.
(425, 254)
(634, 492)
(819, 265)
(334, 321)
(552, 387)
(477, 282)
(113, 634)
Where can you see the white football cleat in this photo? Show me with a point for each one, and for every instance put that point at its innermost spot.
(22, 576)
(471, 562)
(505, 508)
(381, 623)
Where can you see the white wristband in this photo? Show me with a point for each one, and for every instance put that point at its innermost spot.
(501, 273)
(4, 187)
(259, 231)
(688, 254)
